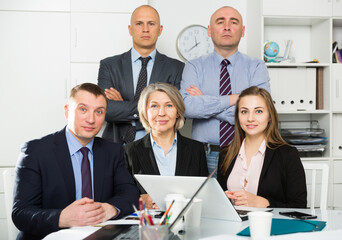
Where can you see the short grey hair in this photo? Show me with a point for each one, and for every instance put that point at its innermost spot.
(175, 97)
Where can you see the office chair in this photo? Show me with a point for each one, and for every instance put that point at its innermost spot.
(312, 168)
(8, 177)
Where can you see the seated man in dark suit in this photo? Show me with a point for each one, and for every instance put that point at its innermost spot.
(72, 178)
(124, 76)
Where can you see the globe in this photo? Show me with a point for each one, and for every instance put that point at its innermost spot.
(271, 50)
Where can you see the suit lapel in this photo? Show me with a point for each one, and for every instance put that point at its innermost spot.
(126, 62)
(158, 67)
(99, 168)
(61, 151)
(149, 163)
(183, 157)
(267, 161)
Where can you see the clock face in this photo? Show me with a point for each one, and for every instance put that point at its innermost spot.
(193, 42)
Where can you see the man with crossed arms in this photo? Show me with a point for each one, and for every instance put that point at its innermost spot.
(211, 84)
(124, 76)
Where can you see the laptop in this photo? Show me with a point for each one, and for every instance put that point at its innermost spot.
(215, 204)
(131, 231)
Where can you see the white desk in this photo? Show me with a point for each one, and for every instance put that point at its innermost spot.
(216, 229)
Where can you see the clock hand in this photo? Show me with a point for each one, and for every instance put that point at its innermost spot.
(192, 47)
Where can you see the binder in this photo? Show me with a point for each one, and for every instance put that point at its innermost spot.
(287, 226)
(319, 88)
(293, 89)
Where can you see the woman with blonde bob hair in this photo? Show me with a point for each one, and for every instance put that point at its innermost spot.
(163, 151)
(258, 168)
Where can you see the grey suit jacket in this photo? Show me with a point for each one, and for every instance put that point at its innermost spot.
(191, 160)
(116, 72)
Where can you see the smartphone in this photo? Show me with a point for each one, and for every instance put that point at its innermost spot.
(298, 215)
(159, 215)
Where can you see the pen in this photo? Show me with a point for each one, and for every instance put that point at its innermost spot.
(165, 214)
(141, 204)
(138, 213)
(147, 219)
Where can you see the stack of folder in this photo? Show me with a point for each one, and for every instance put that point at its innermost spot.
(306, 140)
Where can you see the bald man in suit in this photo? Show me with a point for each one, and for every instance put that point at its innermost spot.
(119, 75)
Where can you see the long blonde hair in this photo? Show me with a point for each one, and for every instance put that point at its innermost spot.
(272, 135)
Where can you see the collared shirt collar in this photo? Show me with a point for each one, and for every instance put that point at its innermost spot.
(74, 145)
(261, 150)
(154, 142)
(232, 59)
(135, 55)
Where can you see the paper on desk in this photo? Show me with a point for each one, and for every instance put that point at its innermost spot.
(330, 234)
(76, 233)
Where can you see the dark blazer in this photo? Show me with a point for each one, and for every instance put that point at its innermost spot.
(282, 180)
(116, 72)
(191, 159)
(45, 184)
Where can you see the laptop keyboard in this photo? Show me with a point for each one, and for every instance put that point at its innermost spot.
(131, 233)
(242, 212)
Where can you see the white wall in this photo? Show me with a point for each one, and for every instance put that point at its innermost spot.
(177, 14)
(48, 46)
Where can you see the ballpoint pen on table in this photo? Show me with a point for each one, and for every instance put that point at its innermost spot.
(165, 214)
(138, 213)
(147, 218)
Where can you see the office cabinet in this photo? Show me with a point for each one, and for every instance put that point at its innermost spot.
(105, 5)
(91, 43)
(35, 5)
(84, 72)
(297, 8)
(337, 186)
(337, 141)
(337, 8)
(336, 93)
(312, 26)
(33, 93)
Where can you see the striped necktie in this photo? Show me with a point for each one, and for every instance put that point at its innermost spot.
(226, 130)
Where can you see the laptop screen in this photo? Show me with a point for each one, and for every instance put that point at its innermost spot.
(187, 206)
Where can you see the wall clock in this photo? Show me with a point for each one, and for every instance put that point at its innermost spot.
(193, 42)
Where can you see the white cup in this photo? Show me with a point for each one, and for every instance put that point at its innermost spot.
(177, 205)
(192, 216)
(260, 225)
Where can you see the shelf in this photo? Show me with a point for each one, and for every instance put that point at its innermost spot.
(297, 65)
(310, 38)
(337, 22)
(305, 112)
(293, 21)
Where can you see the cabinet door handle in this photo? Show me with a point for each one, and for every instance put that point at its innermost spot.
(339, 147)
(337, 88)
(75, 42)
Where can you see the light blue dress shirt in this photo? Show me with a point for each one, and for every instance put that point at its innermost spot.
(204, 72)
(76, 160)
(166, 164)
(136, 67)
